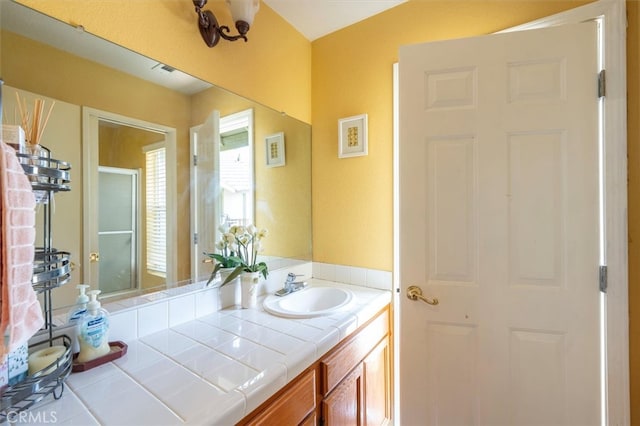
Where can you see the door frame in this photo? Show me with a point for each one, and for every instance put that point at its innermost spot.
(90, 123)
(616, 309)
(193, 203)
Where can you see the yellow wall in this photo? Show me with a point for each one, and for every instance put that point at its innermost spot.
(167, 31)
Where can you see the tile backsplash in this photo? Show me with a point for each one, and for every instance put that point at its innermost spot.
(372, 278)
(144, 315)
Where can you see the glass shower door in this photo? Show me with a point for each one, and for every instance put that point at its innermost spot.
(117, 229)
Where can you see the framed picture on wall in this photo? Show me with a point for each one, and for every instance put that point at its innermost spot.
(275, 150)
(352, 136)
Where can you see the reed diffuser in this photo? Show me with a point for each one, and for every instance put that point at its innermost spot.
(33, 123)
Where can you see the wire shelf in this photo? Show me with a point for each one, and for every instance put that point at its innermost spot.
(25, 394)
(51, 269)
(45, 173)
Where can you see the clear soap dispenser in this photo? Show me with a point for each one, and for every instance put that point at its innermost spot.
(80, 307)
(93, 330)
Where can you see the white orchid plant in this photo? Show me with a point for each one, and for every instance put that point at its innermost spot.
(238, 248)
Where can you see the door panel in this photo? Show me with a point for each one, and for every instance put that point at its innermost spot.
(453, 248)
(451, 373)
(498, 196)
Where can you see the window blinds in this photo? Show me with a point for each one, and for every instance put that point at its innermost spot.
(156, 206)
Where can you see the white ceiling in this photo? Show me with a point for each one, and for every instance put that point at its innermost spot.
(317, 18)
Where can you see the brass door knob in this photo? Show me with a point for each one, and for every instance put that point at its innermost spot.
(94, 257)
(415, 293)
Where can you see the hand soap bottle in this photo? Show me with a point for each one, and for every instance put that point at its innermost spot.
(93, 330)
(80, 307)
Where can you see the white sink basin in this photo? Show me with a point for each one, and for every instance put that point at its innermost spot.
(308, 303)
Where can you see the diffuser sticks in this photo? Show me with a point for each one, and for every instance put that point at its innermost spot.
(34, 123)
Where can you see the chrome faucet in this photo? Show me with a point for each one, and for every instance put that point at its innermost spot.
(291, 285)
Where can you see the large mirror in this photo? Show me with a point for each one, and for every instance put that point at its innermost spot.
(132, 129)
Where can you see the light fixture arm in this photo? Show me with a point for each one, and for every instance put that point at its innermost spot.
(211, 31)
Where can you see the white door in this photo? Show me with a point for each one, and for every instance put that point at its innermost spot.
(205, 193)
(498, 217)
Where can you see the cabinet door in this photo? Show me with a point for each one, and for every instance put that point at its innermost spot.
(344, 405)
(292, 406)
(377, 385)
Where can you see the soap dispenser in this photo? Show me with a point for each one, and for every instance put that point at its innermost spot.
(93, 330)
(80, 307)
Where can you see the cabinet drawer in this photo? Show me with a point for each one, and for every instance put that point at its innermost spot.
(339, 363)
(292, 406)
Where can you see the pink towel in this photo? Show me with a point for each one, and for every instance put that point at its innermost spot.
(20, 313)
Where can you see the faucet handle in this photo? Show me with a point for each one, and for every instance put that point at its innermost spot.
(291, 277)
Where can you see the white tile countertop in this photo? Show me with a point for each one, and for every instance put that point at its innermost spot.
(212, 370)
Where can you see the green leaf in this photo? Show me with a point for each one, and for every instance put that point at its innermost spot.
(233, 275)
(213, 273)
(263, 269)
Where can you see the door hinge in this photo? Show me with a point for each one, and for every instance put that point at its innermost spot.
(195, 238)
(602, 84)
(603, 278)
(195, 160)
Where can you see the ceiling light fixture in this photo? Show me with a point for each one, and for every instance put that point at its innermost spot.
(242, 12)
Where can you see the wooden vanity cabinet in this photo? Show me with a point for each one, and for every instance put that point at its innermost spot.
(356, 377)
(350, 385)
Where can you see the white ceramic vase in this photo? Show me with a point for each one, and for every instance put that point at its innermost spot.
(249, 283)
(229, 294)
